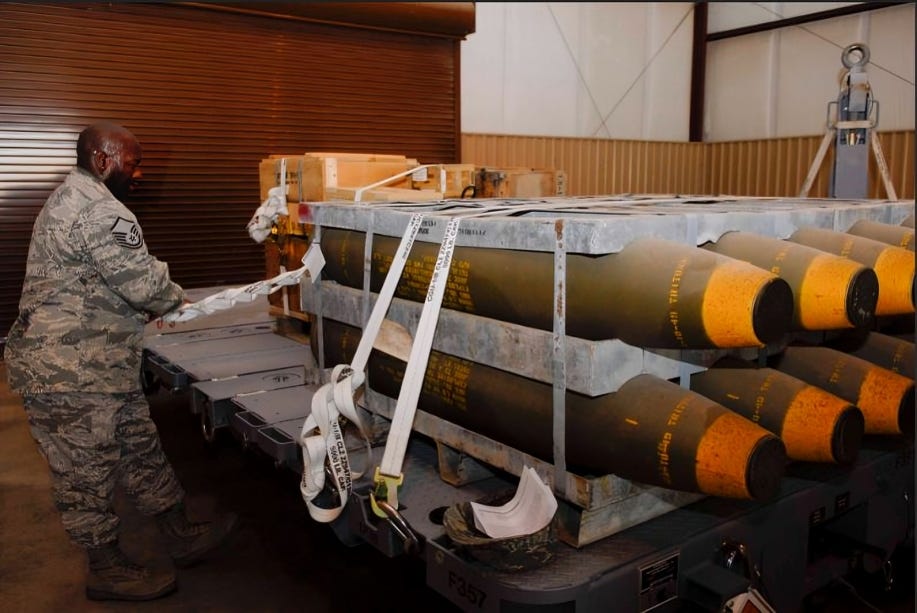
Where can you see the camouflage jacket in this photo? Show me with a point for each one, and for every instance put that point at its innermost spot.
(90, 286)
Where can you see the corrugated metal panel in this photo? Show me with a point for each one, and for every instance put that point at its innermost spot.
(898, 148)
(778, 167)
(209, 95)
(773, 167)
(596, 166)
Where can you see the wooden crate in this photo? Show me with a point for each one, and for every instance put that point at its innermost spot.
(458, 183)
(324, 176)
(285, 252)
(383, 194)
(519, 183)
(320, 177)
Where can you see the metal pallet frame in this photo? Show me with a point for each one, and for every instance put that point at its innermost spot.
(656, 563)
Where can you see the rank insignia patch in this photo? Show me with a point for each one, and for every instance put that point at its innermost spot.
(127, 233)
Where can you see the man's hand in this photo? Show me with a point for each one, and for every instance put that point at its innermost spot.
(159, 321)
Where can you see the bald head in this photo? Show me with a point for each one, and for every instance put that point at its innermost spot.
(111, 153)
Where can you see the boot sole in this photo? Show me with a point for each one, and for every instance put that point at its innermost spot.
(218, 545)
(97, 594)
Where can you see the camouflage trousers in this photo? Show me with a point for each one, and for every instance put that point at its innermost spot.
(93, 442)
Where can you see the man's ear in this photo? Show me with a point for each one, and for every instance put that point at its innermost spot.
(100, 162)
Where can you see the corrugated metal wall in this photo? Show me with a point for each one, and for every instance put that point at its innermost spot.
(209, 94)
(778, 167)
(596, 166)
(773, 167)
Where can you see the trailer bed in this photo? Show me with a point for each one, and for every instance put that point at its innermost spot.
(793, 545)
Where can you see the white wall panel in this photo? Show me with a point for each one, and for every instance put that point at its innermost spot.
(778, 83)
(615, 51)
(891, 45)
(484, 69)
(540, 74)
(623, 70)
(668, 81)
(810, 73)
(738, 87)
(579, 69)
(724, 16)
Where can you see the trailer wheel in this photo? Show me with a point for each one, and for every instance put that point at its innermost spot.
(148, 382)
(207, 428)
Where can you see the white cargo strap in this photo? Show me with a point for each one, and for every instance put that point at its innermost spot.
(313, 262)
(321, 434)
(388, 475)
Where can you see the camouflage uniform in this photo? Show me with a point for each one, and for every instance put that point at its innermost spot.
(74, 354)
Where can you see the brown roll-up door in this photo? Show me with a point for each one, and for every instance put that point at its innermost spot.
(209, 94)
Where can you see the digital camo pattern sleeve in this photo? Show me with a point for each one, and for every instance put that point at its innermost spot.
(114, 244)
(89, 288)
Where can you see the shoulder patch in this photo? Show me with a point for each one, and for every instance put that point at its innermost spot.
(127, 233)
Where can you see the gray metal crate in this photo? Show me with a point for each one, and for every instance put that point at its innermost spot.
(605, 224)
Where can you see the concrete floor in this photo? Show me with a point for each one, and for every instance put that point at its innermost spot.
(280, 560)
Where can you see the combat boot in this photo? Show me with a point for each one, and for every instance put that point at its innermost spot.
(188, 541)
(113, 576)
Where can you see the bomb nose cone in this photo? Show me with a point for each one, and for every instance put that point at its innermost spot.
(848, 435)
(773, 311)
(862, 297)
(766, 468)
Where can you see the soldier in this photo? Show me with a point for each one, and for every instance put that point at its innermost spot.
(74, 355)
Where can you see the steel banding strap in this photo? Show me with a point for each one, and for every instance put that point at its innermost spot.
(559, 360)
(388, 474)
(317, 324)
(321, 434)
(283, 177)
(684, 372)
(367, 267)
